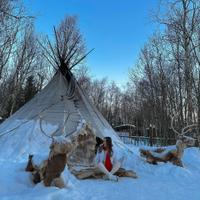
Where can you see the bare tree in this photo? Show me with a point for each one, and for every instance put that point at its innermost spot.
(68, 49)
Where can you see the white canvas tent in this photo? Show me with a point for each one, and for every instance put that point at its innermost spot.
(61, 103)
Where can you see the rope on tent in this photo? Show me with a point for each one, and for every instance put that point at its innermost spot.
(71, 86)
(11, 130)
(35, 116)
(69, 96)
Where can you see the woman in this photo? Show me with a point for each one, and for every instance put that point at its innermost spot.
(106, 161)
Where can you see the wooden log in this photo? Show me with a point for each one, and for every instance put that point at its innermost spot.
(93, 172)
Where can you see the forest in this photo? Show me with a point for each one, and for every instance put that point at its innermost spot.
(164, 83)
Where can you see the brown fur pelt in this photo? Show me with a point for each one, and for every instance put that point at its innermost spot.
(56, 163)
(94, 173)
(59, 148)
(49, 171)
(79, 152)
(174, 155)
(54, 168)
(81, 158)
(153, 157)
(36, 170)
(83, 148)
(30, 167)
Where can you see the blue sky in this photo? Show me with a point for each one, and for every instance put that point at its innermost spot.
(117, 29)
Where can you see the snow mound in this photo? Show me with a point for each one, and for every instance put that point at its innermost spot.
(31, 140)
(155, 182)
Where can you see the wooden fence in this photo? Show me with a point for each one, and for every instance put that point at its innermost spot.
(147, 141)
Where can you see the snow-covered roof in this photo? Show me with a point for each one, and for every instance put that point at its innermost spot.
(125, 125)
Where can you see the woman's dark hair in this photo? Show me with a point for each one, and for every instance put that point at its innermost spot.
(109, 144)
(99, 141)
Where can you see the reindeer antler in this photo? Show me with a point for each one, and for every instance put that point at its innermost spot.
(61, 128)
(172, 125)
(51, 135)
(184, 130)
(183, 140)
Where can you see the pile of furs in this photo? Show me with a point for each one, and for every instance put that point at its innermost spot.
(78, 153)
(49, 170)
(79, 150)
(173, 155)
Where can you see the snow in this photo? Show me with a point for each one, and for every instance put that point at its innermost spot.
(155, 182)
(61, 139)
(38, 159)
(28, 139)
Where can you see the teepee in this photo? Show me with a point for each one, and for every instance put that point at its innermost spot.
(61, 108)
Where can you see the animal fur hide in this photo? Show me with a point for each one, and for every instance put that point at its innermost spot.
(49, 170)
(81, 158)
(169, 155)
(83, 148)
(161, 155)
(93, 172)
(78, 154)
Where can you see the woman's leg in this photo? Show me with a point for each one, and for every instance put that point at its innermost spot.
(110, 176)
(116, 167)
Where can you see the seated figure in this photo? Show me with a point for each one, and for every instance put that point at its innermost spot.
(106, 161)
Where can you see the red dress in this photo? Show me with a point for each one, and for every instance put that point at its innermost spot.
(108, 163)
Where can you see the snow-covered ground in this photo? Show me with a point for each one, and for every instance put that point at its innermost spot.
(155, 182)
